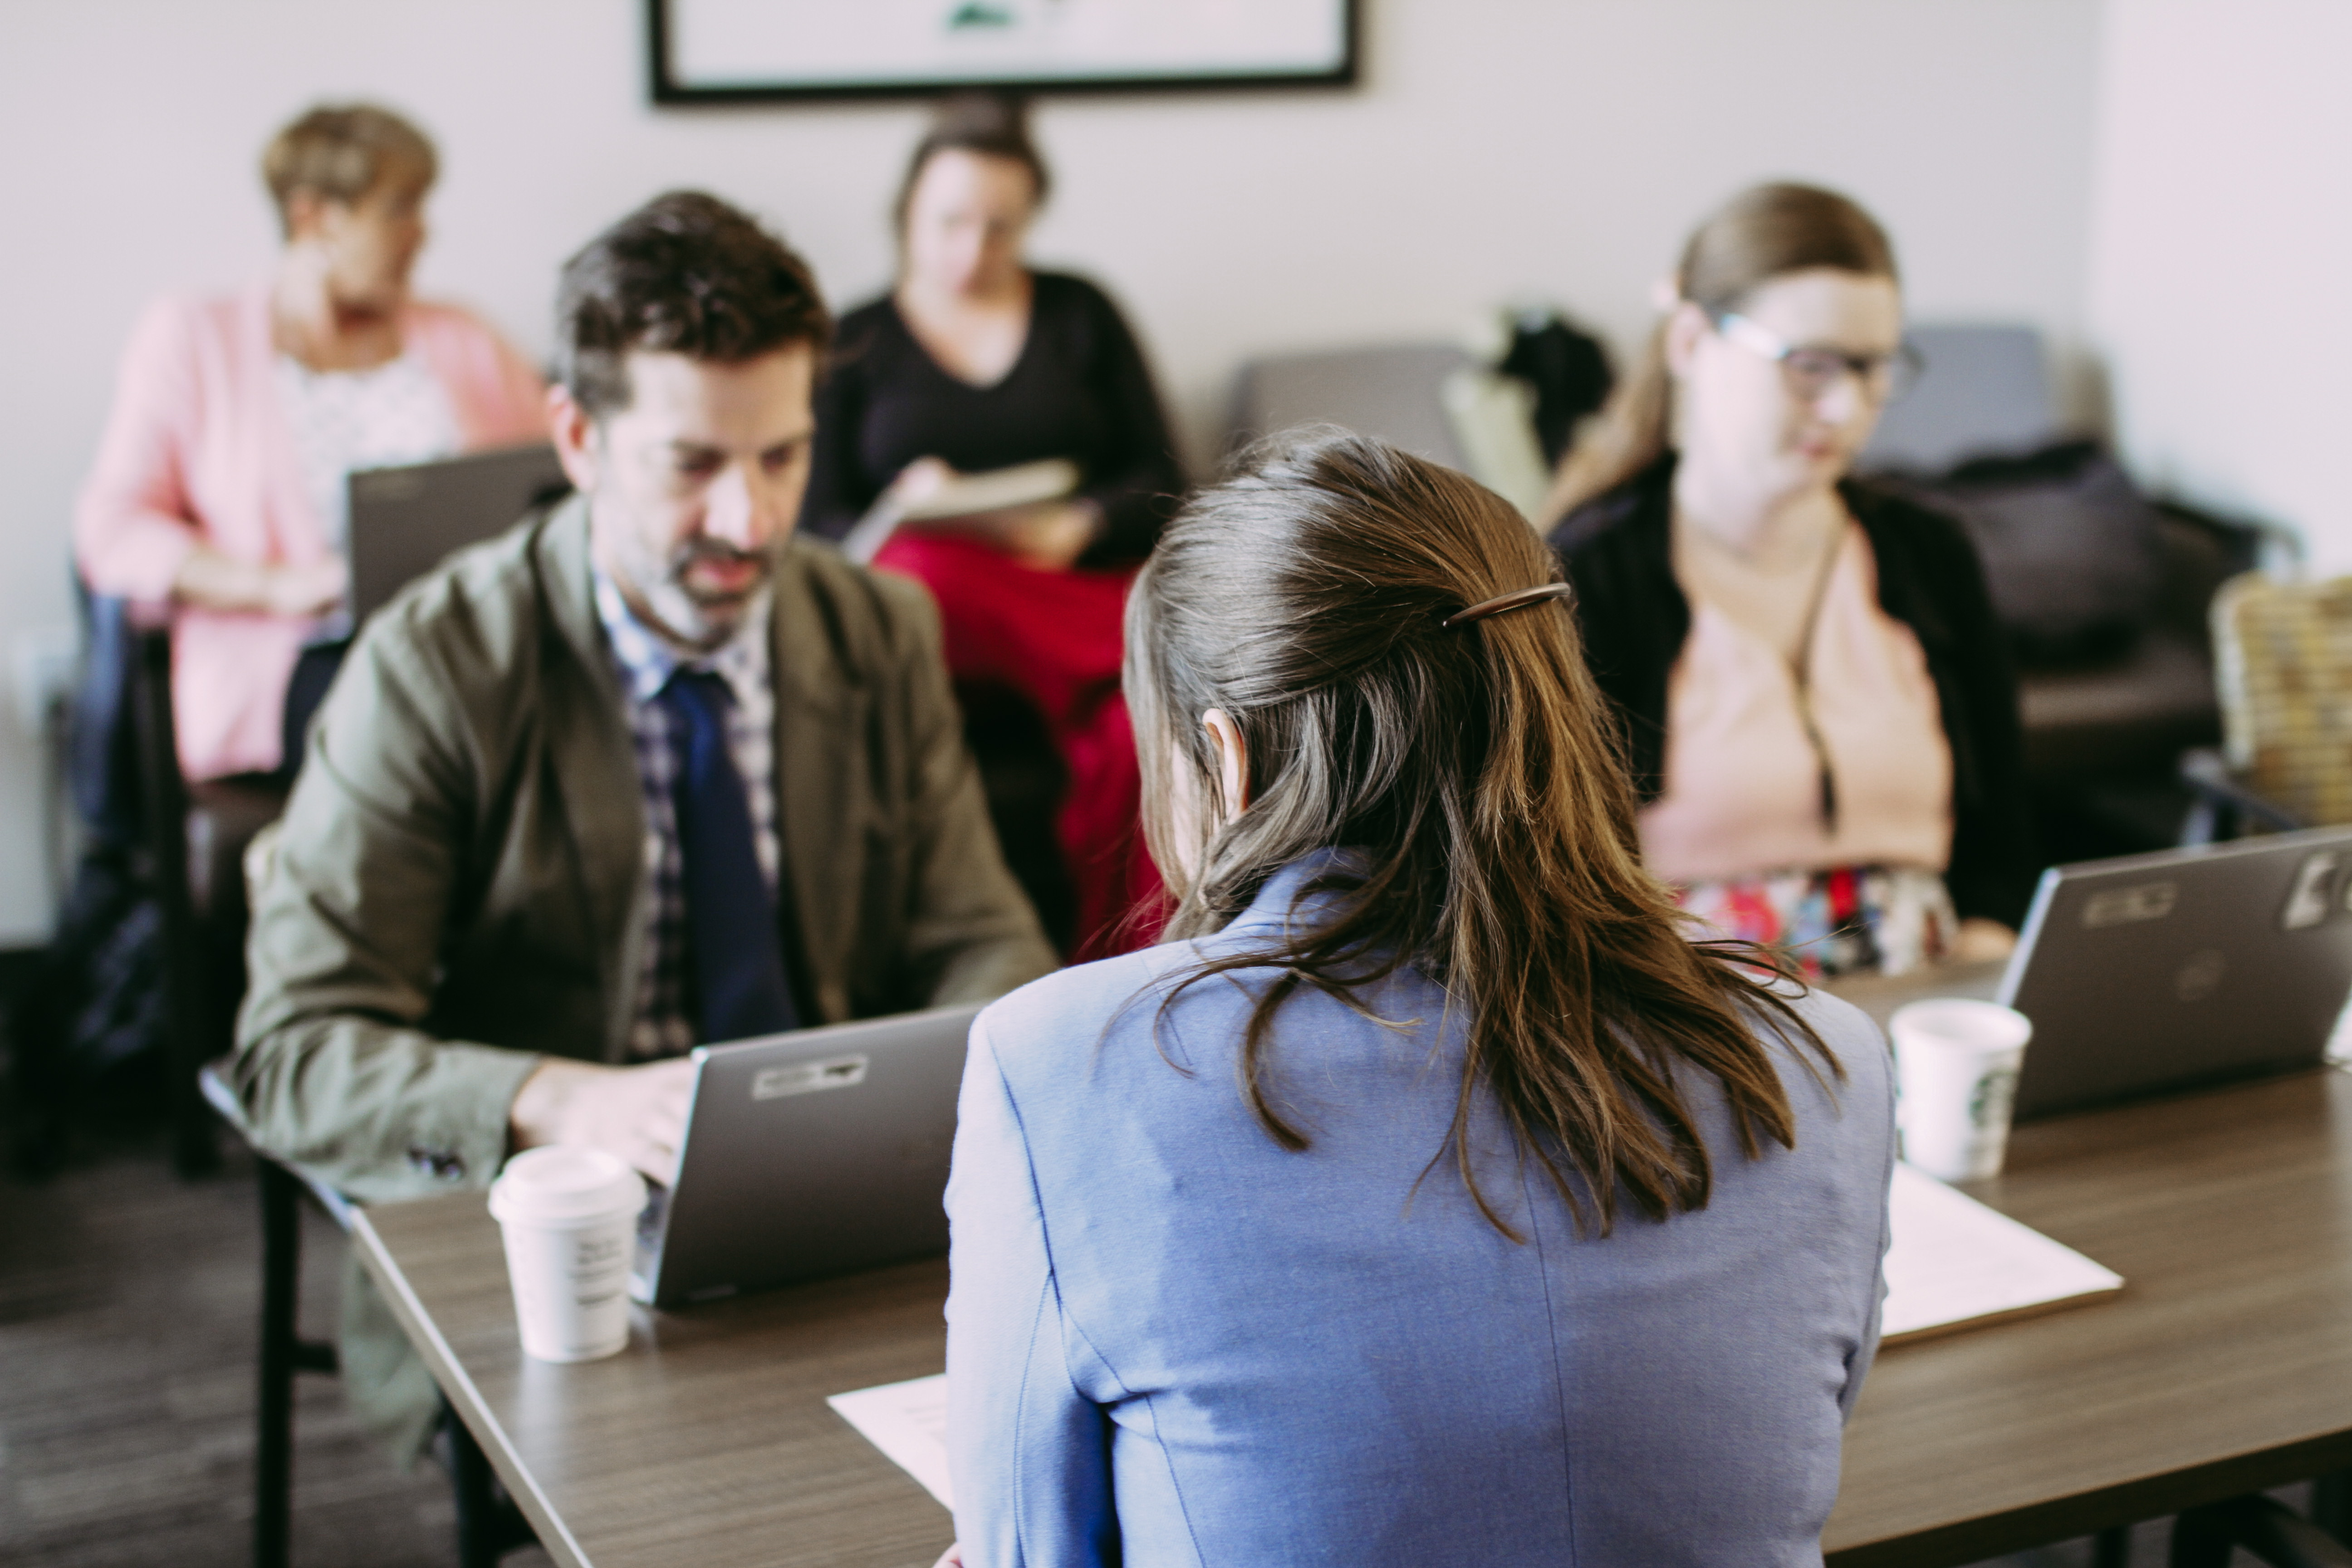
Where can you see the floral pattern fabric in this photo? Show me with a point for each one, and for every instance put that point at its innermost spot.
(1849, 920)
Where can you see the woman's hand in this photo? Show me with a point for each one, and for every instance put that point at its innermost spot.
(952, 1558)
(1050, 536)
(1982, 941)
(213, 581)
(306, 587)
(922, 480)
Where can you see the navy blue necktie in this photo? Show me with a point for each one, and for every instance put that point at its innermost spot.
(736, 955)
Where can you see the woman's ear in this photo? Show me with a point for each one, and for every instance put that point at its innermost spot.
(1685, 328)
(1232, 765)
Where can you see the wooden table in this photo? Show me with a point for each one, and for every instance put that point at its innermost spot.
(707, 1441)
(2225, 1365)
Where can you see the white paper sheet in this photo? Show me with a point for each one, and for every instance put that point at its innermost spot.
(1954, 1261)
(908, 1422)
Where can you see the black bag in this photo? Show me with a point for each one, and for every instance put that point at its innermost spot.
(96, 1002)
(1569, 371)
(2072, 552)
(102, 991)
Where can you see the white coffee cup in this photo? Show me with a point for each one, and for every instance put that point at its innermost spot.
(1955, 1063)
(570, 1217)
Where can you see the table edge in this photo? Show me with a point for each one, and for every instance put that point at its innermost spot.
(2134, 1501)
(449, 1375)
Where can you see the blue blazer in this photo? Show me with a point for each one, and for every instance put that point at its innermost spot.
(1170, 1342)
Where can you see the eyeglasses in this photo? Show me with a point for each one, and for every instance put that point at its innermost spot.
(1811, 372)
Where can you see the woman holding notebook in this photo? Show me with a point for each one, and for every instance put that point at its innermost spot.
(1434, 1198)
(1007, 417)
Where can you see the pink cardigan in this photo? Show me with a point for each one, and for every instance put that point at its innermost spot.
(197, 451)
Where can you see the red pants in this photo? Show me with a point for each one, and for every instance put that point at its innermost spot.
(1055, 638)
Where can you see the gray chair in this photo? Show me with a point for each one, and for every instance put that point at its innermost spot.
(1984, 391)
(1434, 400)
(1394, 393)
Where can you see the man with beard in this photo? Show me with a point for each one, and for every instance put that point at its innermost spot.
(642, 773)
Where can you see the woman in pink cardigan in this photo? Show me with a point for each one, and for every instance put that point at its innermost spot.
(218, 493)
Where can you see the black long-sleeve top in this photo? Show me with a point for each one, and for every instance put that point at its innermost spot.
(1079, 390)
(1619, 554)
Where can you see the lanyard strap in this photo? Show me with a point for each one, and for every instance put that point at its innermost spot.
(1801, 671)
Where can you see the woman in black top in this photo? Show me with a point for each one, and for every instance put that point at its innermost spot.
(1816, 700)
(1078, 389)
(973, 363)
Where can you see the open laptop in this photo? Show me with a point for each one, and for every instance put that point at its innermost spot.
(813, 1152)
(406, 520)
(2155, 973)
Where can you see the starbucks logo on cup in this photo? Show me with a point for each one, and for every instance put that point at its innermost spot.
(1995, 1093)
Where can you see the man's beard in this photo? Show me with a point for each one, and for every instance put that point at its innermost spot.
(703, 617)
(696, 550)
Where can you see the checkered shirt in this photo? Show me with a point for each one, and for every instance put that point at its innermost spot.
(664, 1025)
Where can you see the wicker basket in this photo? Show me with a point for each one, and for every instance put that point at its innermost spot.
(2282, 655)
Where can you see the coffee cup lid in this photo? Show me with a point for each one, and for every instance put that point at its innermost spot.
(1962, 1023)
(558, 1183)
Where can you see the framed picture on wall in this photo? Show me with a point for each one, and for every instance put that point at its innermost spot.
(722, 51)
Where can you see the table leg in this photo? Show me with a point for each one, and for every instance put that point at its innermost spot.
(489, 1524)
(273, 1454)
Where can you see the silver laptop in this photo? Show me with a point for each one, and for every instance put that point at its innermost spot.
(814, 1153)
(406, 520)
(2164, 972)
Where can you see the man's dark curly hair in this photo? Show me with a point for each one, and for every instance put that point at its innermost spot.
(685, 274)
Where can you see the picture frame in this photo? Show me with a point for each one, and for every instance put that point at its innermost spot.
(709, 52)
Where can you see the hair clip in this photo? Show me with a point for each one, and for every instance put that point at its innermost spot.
(1506, 604)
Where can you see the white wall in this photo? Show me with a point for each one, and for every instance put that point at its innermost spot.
(1500, 148)
(2222, 253)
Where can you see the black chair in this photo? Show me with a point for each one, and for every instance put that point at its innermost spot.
(489, 1524)
(284, 1353)
(195, 838)
(2210, 1536)
(148, 960)
(1023, 779)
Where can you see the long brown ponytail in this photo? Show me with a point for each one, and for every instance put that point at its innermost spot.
(1472, 770)
(1763, 233)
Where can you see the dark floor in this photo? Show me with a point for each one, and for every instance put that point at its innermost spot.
(128, 1306)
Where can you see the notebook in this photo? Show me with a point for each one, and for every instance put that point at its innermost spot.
(968, 495)
(1956, 1264)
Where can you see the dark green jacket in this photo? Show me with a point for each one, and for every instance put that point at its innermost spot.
(458, 883)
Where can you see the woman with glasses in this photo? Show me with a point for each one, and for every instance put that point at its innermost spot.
(1816, 700)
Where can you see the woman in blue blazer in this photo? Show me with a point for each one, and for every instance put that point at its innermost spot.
(1434, 1198)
